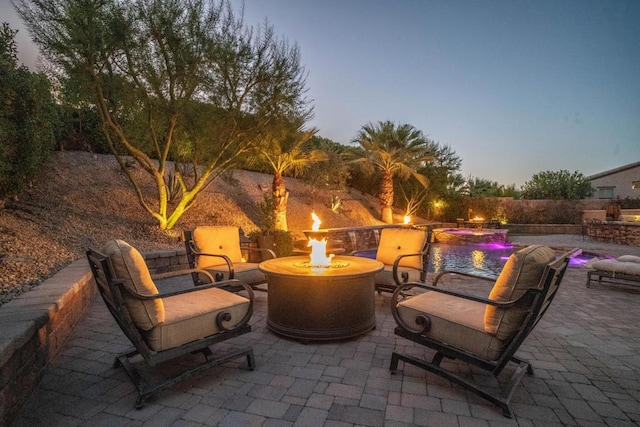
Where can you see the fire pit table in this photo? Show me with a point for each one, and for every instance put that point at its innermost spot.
(312, 303)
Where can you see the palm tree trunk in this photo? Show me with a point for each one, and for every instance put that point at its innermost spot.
(386, 198)
(280, 198)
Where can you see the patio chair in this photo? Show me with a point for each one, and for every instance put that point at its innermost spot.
(485, 332)
(217, 250)
(405, 255)
(164, 327)
(624, 270)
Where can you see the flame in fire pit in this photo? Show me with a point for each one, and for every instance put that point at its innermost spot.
(318, 246)
(316, 222)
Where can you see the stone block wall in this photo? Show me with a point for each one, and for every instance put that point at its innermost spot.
(34, 328)
(166, 260)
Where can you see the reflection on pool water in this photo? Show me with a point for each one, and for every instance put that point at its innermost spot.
(484, 259)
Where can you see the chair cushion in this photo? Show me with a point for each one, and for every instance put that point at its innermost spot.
(456, 321)
(247, 272)
(629, 258)
(385, 277)
(223, 240)
(401, 241)
(523, 270)
(129, 266)
(614, 266)
(191, 316)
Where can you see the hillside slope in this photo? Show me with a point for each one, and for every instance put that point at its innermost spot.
(83, 199)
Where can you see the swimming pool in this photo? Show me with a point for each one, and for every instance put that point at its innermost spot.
(484, 259)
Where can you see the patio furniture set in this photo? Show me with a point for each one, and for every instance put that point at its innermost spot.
(316, 303)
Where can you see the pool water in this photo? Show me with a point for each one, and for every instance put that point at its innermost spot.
(483, 259)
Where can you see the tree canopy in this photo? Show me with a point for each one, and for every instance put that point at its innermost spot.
(557, 185)
(177, 81)
(393, 150)
(26, 117)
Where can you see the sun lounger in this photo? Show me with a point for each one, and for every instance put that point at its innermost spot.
(624, 270)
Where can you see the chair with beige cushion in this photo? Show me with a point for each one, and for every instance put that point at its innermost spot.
(405, 255)
(163, 326)
(217, 250)
(624, 270)
(483, 331)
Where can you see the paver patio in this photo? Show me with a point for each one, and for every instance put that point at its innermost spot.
(585, 353)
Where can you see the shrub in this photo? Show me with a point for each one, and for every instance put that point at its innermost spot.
(283, 242)
(543, 211)
(26, 117)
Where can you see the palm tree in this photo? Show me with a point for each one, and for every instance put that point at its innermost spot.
(284, 152)
(393, 151)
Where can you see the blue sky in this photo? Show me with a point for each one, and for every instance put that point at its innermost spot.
(514, 87)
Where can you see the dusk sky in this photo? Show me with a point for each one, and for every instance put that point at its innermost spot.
(514, 87)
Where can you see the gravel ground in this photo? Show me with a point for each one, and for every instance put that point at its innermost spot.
(82, 199)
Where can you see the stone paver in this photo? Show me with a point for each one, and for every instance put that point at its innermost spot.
(584, 353)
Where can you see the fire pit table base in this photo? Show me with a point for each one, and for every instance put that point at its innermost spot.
(311, 304)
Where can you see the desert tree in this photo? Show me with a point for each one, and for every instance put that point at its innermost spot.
(392, 150)
(173, 81)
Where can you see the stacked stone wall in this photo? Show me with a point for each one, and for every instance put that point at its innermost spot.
(34, 328)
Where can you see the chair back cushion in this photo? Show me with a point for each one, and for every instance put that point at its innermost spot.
(523, 270)
(129, 266)
(219, 240)
(401, 241)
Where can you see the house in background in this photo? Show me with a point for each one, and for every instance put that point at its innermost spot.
(618, 183)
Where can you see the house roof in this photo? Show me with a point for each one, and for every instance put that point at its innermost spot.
(613, 171)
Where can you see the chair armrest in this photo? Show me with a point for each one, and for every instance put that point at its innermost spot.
(499, 304)
(405, 276)
(461, 273)
(226, 259)
(176, 273)
(234, 282)
(141, 297)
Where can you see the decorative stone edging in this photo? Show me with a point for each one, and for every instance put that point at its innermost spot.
(35, 326)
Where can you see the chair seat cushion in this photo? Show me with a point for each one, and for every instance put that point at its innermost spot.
(247, 272)
(191, 316)
(385, 277)
(456, 321)
(220, 240)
